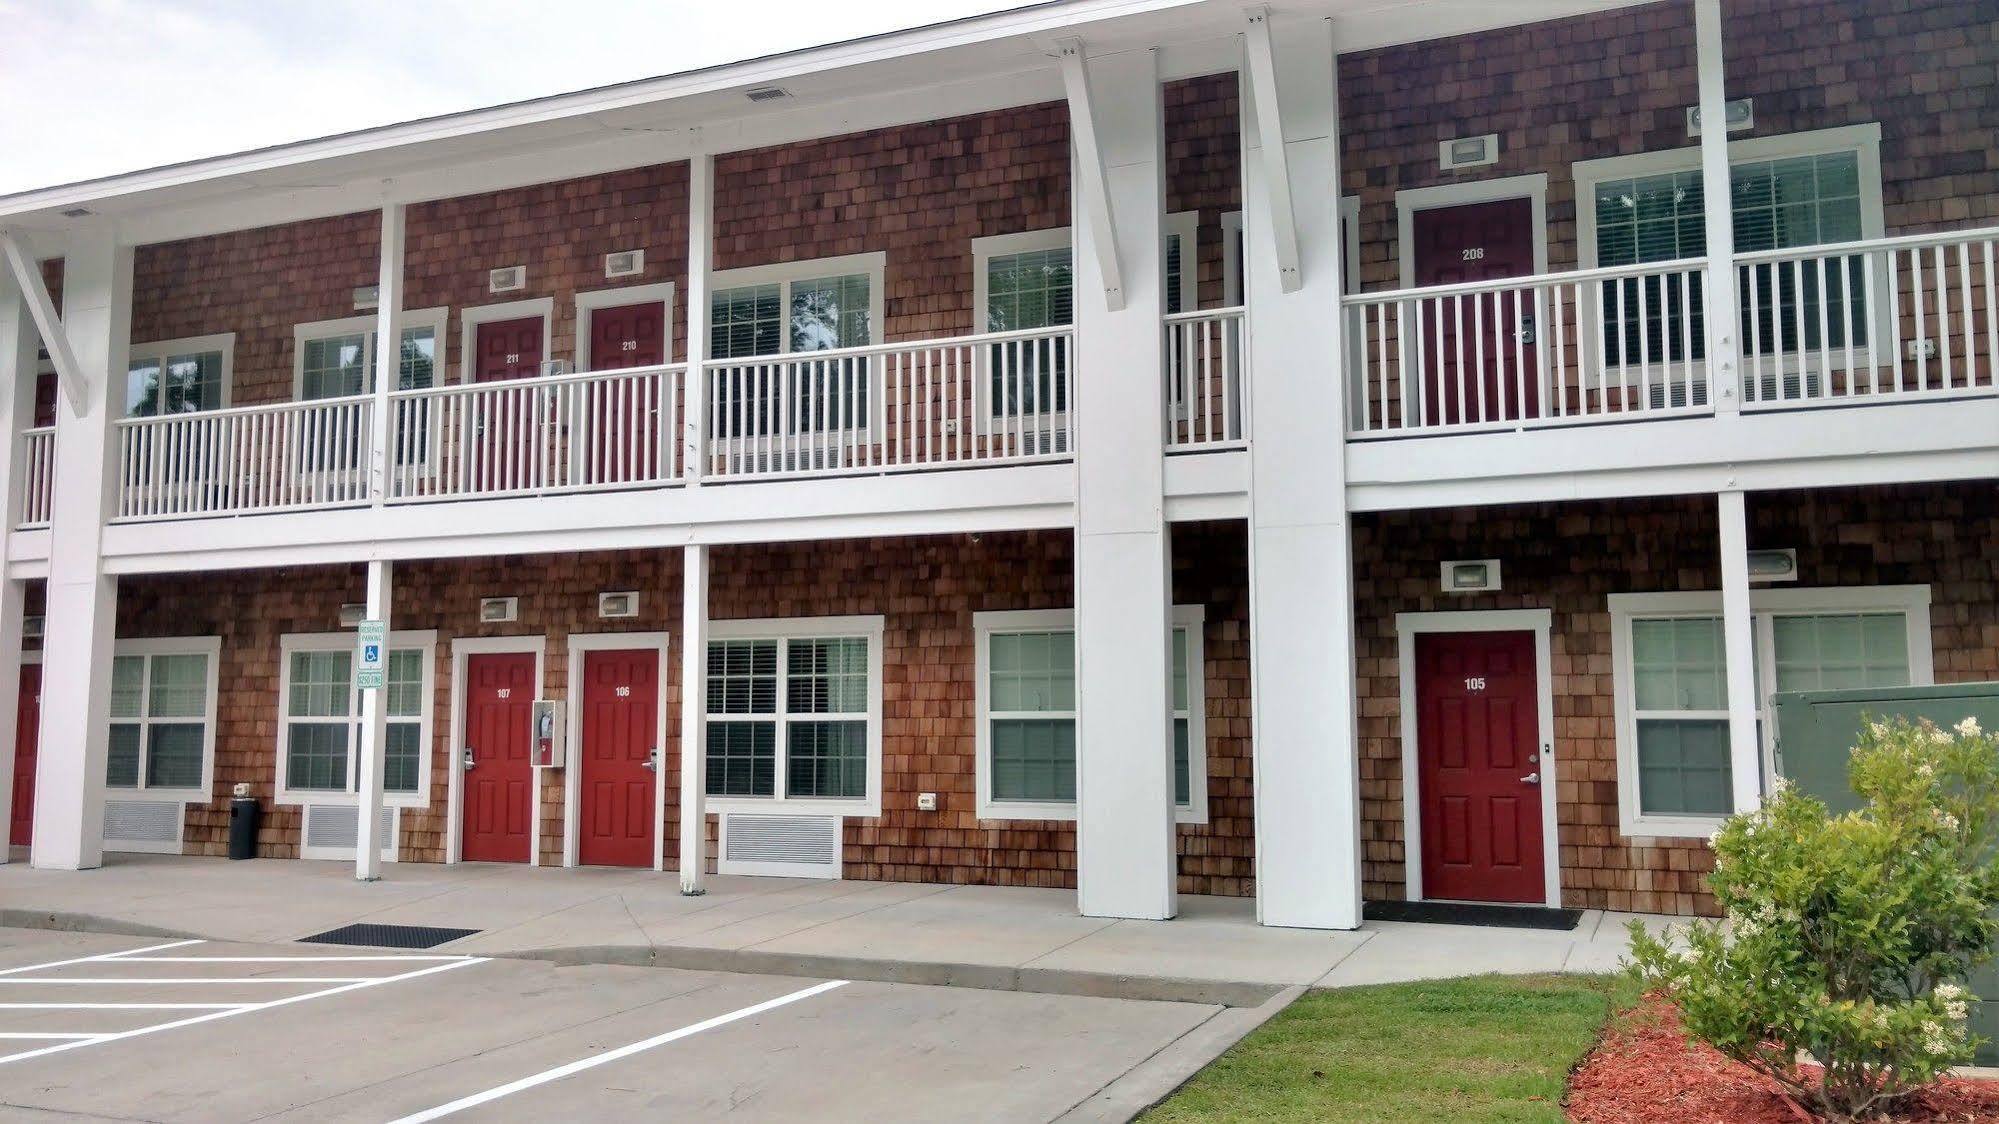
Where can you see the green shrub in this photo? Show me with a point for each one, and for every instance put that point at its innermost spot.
(1845, 936)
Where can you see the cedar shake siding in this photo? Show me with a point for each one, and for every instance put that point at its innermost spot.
(926, 588)
(1569, 558)
(1619, 83)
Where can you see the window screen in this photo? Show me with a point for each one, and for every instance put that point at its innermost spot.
(1680, 702)
(159, 728)
(1032, 705)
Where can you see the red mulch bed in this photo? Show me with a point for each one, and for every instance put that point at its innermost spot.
(1646, 1072)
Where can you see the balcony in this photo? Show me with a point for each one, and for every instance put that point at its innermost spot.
(1858, 323)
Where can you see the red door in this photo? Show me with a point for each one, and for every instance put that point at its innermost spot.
(499, 780)
(27, 735)
(1478, 766)
(508, 421)
(507, 349)
(622, 444)
(618, 758)
(1478, 350)
(45, 399)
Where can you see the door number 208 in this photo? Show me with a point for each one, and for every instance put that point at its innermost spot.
(1475, 683)
(1475, 253)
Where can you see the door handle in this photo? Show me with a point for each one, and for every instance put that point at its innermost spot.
(469, 763)
(1531, 778)
(652, 759)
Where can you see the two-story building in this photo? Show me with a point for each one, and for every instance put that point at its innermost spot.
(1334, 451)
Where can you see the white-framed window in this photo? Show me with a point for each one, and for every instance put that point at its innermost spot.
(794, 714)
(162, 739)
(1181, 259)
(183, 376)
(1026, 740)
(1670, 680)
(319, 718)
(1023, 281)
(1798, 189)
(336, 358)
(815, 305)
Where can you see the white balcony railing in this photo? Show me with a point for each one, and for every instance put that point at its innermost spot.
(38, 475)
(278, 457)
(1554, 349)
(595, 431)
(1867, 321)
(1205, 360)
(988, 399)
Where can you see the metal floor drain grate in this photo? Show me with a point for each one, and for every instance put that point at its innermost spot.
(388, 936)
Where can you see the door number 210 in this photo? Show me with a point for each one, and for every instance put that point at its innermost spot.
(1474, 682)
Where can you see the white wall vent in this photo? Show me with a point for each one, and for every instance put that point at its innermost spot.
(499, 610)
(507, 279)
(767, 93)
(783, 845)
(613, 605)
(1472, 575)
(1468, 152)
(1741, 116)
(142, 825)
(330, 828)
(625, 263)
(352, 614)
(32, 627)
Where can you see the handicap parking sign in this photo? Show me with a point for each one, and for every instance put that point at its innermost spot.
(368, 668)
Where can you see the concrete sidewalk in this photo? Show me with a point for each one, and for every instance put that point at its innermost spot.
(1001, 938)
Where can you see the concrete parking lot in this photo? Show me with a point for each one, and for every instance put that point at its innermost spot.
(97, 1026)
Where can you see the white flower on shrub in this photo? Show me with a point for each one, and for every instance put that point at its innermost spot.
(1968, 728)
(1937, 1038)
(1955, 1008)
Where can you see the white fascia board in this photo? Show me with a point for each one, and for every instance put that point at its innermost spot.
(1022, 497)
(1890, 443)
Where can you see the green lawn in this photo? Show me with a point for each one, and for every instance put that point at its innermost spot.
(1465, 1050)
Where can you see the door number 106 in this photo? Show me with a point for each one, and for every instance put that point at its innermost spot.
(1475, 683)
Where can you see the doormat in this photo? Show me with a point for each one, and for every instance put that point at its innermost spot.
(388, 936)
(1466, 913)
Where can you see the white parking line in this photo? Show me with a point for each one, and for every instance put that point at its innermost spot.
(213, 1011)
(562, 1071)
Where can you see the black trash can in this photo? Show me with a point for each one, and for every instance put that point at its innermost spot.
(244, 814)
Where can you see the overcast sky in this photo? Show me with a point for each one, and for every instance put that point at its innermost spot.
(93, 87)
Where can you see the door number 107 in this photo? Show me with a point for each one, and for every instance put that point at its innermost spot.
(1474, 682)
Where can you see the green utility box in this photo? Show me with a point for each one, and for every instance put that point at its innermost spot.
(1816, 733)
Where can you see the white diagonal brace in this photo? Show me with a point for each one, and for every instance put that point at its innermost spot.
(1270, 135)
(75, 384)
(1091, 178)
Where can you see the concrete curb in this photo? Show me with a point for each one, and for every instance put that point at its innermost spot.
(987, 977)
(1161, 1075)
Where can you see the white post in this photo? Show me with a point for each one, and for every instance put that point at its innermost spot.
(700, 260)
(1724, 347)
(1745, 755)
(82, 599)
(388, 350)
(1300, 546)
(17, 405)
(374, 735)
(693, 718)
(1124, 702)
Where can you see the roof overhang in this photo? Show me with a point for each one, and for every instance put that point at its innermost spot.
(963, 66)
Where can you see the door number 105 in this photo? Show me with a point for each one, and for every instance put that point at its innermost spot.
(1475, 683)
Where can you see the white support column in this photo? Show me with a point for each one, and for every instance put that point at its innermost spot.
(17, 404)
(1300, 545)
(693, 719)
(82, 599)
(388, 349)
(700, 262)
(1745, 754)
(374, 735)
(1124, 736)
(1724, 344)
